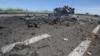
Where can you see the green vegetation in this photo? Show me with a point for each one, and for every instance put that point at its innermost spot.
(10, 10)
(20, 11)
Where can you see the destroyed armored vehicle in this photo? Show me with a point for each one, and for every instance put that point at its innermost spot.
(59, 15)
(63, 13)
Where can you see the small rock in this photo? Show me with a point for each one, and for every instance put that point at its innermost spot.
(90, 20)
(65, 39)
(33, 33)
(89, 53)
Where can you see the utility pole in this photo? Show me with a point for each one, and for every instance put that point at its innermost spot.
(27, 14)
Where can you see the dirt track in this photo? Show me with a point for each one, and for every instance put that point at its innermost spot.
(14, 29)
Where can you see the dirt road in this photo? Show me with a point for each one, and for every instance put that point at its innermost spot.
(64, 37)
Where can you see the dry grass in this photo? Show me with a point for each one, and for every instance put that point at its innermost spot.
(91, 36)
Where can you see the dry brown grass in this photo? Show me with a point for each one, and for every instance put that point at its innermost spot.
(91, 36)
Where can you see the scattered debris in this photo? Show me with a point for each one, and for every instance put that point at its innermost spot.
(33, 53)
(32, 25)
(20, 47)
(15, 55)
(43, 46)
(2, 27)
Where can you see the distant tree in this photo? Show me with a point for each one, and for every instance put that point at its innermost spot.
(87, 13)
(1, 10)
(10, 9)
(13, 10)
(18, 9)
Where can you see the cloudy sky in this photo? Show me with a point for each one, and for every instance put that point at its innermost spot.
(81, 6)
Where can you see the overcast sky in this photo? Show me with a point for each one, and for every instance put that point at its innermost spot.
(81, 6)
